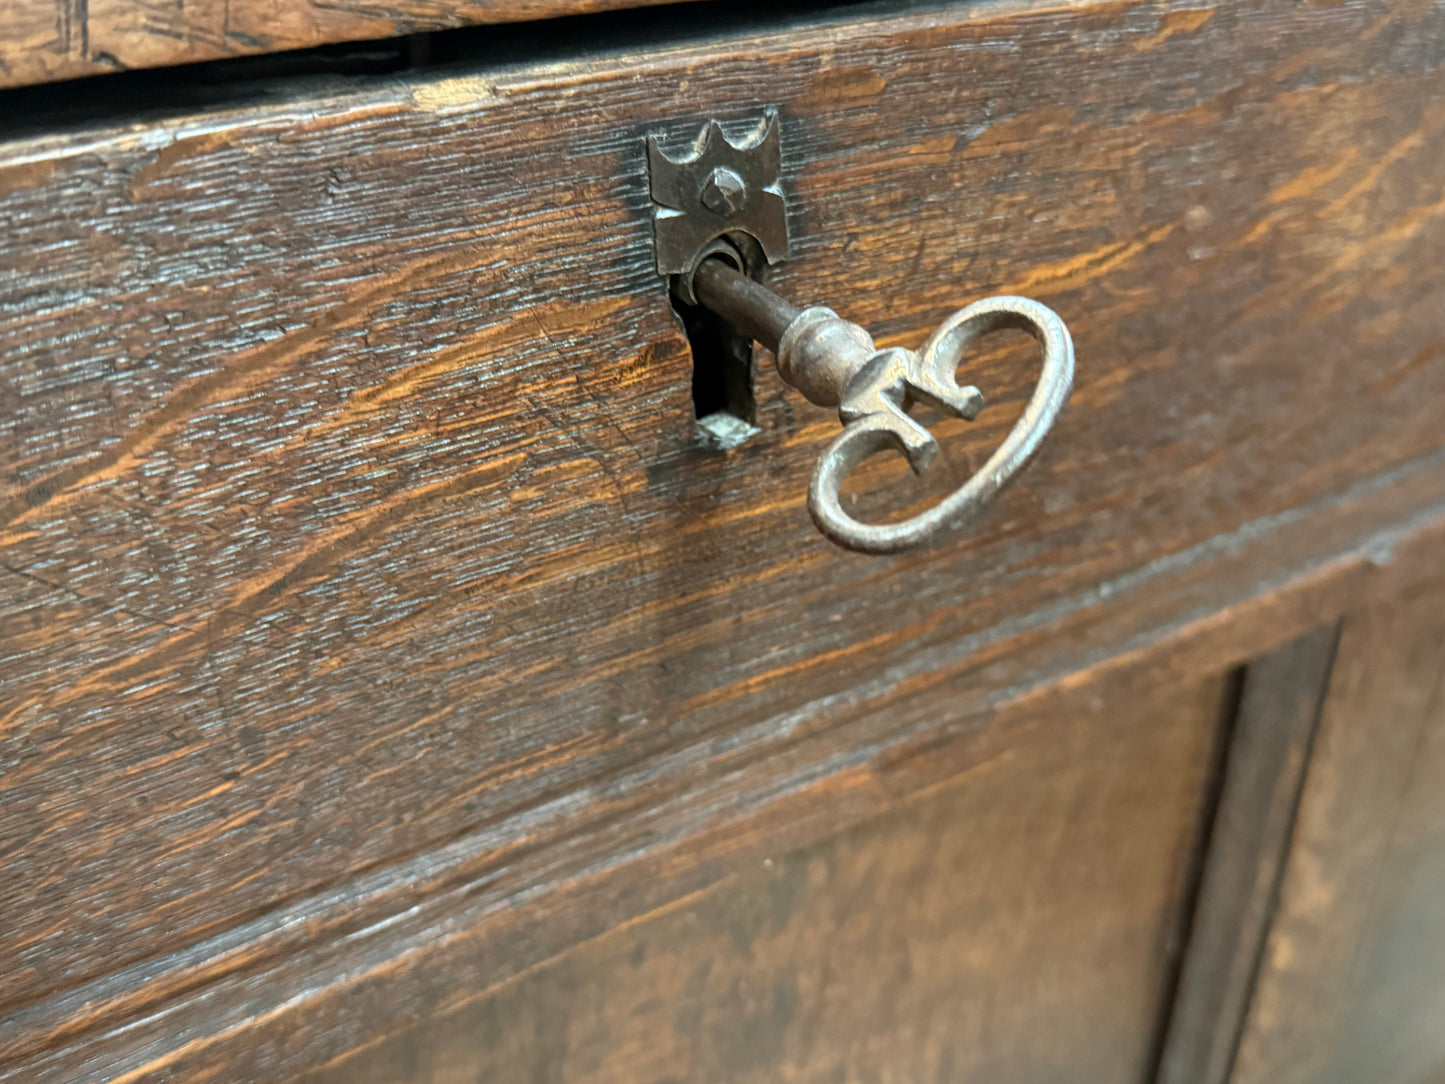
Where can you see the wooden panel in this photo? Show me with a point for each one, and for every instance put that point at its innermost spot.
(1268, 748)
(47, 40)
(1020, 925)
(366, 574)
(1351, 988)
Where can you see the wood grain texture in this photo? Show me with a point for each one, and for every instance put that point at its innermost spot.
(1019, 924)
(49, 40)
(315, 980)
(367, 577)
(1350, 988)
(1268, 750)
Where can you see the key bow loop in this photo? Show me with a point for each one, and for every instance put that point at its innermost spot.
(874, 410)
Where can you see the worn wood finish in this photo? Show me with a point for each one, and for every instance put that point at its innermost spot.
(48, 40)
(315, 980)
(1268, 749)
(348, 458)
(1350, 988)
(1019, 925)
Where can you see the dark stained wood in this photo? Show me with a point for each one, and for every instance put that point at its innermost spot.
(48, 40)
(1016, 925)
(366, 577)
(342, 996)
(1350, 988)
(1268, 749)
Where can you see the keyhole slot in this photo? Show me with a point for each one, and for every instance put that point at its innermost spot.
(722, 360)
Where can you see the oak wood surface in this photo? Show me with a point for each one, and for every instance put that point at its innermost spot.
(1350, 987)
(314, 981)
(48, 40)
(1268, 749)
(365, 573)
(1020, 924)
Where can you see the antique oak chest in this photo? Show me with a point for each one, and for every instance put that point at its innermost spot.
(418, 661)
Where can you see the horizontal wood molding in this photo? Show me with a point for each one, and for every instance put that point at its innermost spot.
(346, 456)
(49, 40)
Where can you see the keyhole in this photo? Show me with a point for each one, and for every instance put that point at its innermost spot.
(722, 365)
